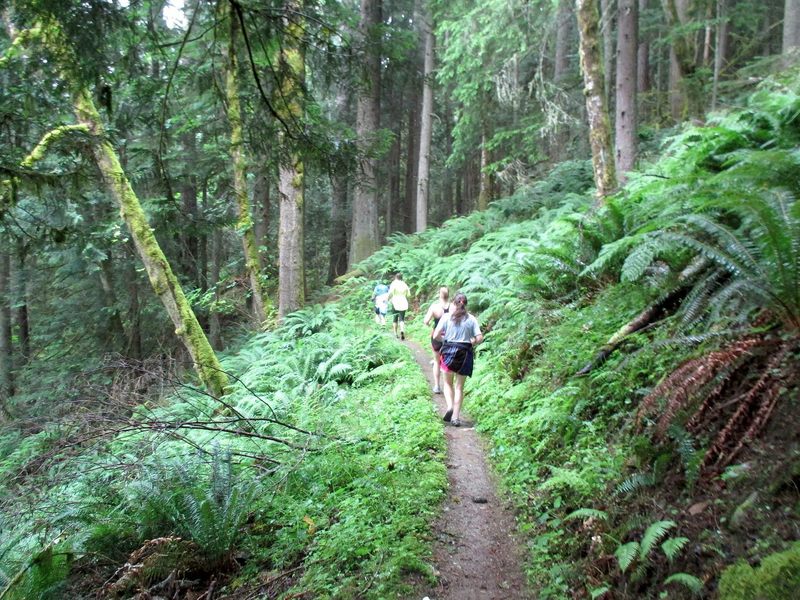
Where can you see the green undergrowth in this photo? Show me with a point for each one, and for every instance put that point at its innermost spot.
(645, 471)
(319, 473)
(642, 471)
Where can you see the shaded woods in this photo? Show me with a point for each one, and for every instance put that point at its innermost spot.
(197, 199)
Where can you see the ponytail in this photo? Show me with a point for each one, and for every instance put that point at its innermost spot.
(460, 311)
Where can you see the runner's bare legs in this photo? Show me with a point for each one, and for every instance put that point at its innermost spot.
(458, 394)
(448, 389)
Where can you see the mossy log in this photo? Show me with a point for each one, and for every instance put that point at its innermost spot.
(652, 313)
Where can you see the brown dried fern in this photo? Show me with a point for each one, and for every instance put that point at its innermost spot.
(750, 416)
(686, 382)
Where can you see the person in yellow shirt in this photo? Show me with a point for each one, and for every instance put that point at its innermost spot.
(399, 294)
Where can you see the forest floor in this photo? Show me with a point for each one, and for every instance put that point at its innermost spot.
(476, 554)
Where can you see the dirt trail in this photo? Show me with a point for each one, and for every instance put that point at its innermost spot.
(475, 552)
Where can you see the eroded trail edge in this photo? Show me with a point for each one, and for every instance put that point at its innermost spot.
(475, 551)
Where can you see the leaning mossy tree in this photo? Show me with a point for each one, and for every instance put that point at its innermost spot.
(48, 32)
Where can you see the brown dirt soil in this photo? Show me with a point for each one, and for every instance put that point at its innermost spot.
(475, 552)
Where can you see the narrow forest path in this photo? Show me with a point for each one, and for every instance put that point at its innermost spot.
(475, 552)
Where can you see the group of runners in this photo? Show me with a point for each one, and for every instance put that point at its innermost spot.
(455, 334)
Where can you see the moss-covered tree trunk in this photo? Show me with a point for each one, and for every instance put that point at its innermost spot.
(605, 177)
(244, 225)
(163, 280)
(291, 263)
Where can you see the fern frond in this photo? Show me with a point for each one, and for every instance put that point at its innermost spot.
(655, 532)
(626, 554)
(690, 582)
(635, 482)
(673, 546)
(638, 260)
(587, 513)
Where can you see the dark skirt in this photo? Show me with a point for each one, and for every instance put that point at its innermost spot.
(457, 357)
(436, 344)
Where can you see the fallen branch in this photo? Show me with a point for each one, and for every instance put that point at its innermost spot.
(652, 313)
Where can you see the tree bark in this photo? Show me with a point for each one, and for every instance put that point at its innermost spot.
(116, 330)
(426, 128)
(720, 49)
(564, 20)
(163, 280)
(364, 236)
(791, 25)
(261, 208)
(337, 264)
(6, 347)
(393, 205)
(20, 284)
(681, 59)
(291, 172)
(643, 57)
(134, 345)
(597, 114)
(412, 164)
(625, 122)
(485, 191)
(607, 31)
(190, 244)
(244, 225)
(214, 329)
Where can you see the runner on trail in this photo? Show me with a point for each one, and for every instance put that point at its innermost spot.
(380, 295)
(398, 297)
(435, 312)
(461, 333)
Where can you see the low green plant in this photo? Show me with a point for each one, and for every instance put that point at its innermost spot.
(204, 501)
(776, 578)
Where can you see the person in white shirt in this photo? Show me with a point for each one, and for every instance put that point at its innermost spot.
(461, 333)
(399, 293)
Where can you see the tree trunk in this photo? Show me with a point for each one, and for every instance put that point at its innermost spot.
(720, 49)
(791, 25)
(20, 284)
(244, 224)
(643, 57)
(681, 58)
(116, 330)
(134, 345)
(607, 31)
(485, 191)
(364, 237)
(163, 280)
(190, 245)
(564, 19)
(337, 264)
(625, 122)
(423, 170)
(261, 209)
(6, 348)
(214, 329)
(393, 205)
(291, 172)
(412, 164)
(597, 114)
